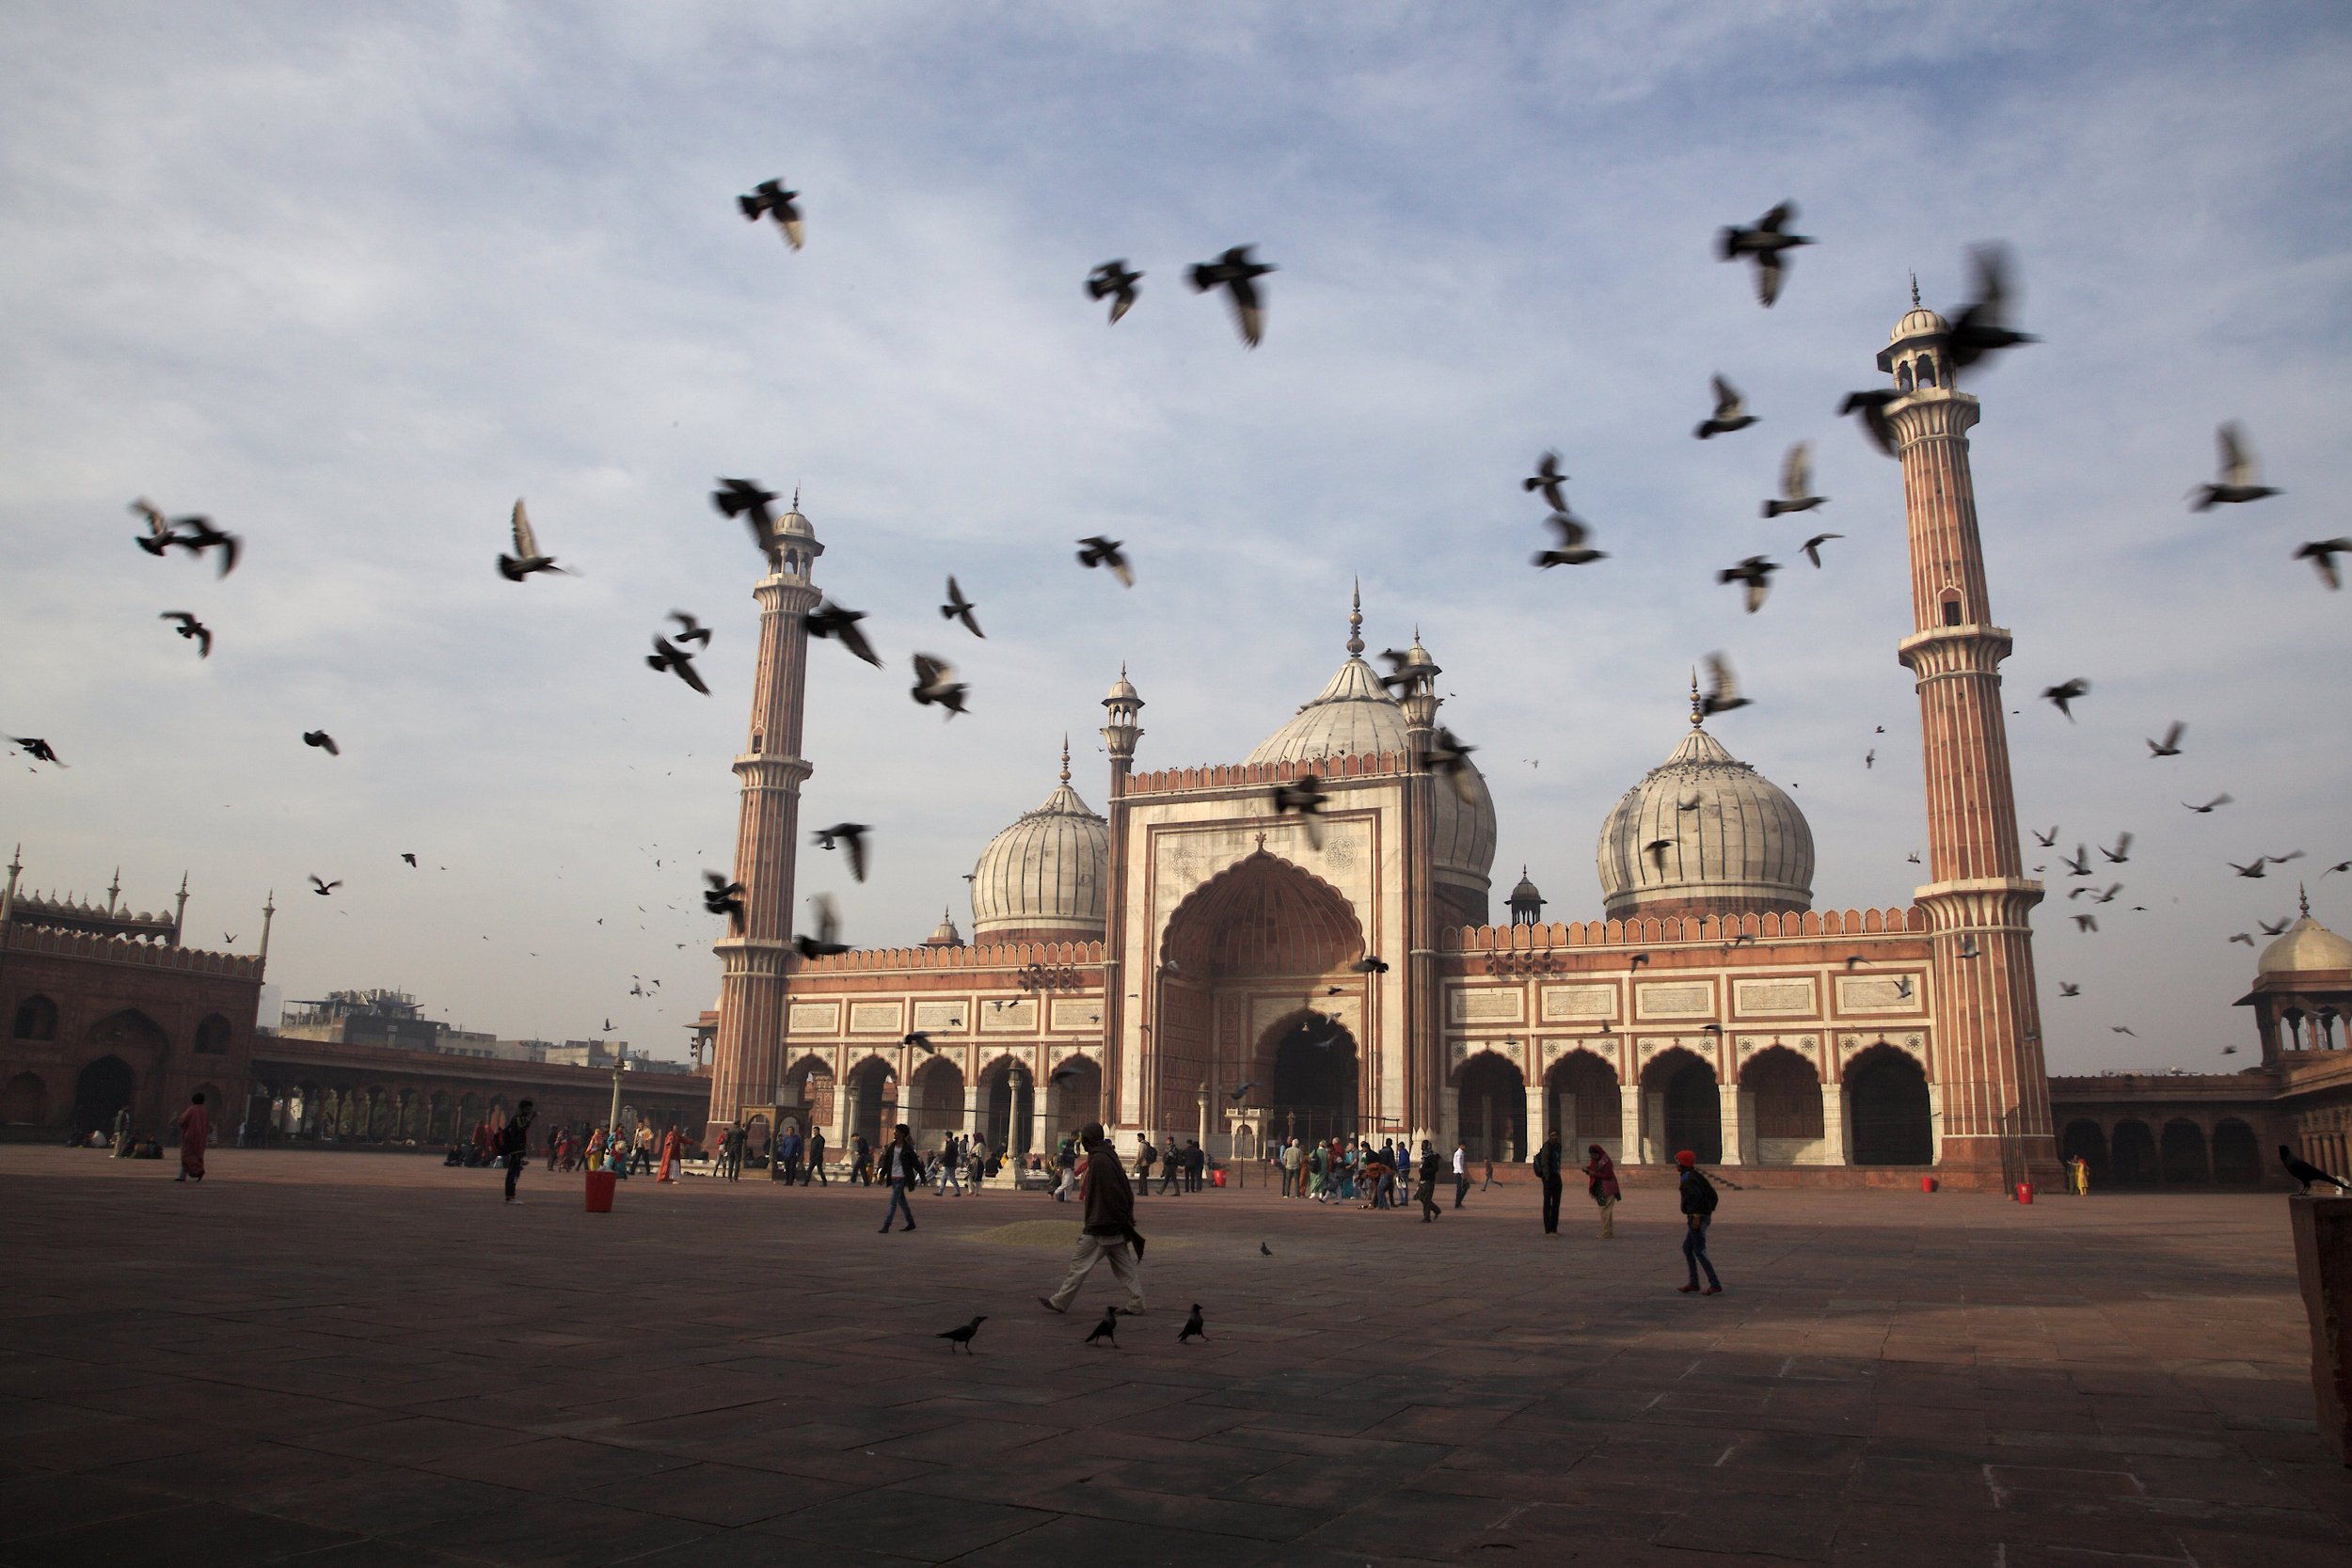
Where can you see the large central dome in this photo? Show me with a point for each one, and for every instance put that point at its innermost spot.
(1705, 833)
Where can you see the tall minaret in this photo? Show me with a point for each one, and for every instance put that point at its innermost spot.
(744, 1058)
(1987, 1032)
(1123, 726)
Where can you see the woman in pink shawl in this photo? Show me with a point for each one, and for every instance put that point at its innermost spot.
(669, 1157)
(1602, 1175)
(196, 1129)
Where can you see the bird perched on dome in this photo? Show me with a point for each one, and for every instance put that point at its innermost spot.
(1763, 243)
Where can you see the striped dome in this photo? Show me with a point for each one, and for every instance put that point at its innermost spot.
(1734, 841)
(1042, 879)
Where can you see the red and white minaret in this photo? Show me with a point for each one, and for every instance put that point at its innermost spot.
(1996, 1091)
(746, 1053)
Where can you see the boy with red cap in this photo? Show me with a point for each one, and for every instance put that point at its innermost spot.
(1699, 1210)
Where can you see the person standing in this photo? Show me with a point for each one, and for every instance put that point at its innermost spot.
(1294, 1166)
(2078, 1172)
(1146, 1157)
(196, 1129)
(1108, 1230)
(1196, 1164)
(645, 1147)
(122, 1133)
(669, 1156)
(1698, 1213)
(789, 1156)
(816, 1159)
(1547, 1172)
(902, 1167)
(1461, 1173)
(950, 1168)
(1427, 1189)
(1601, 1181)
(518, 1135)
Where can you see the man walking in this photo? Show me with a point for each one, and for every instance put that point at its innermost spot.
(815, 1171)
(1461, 1174)
(196, 1129)
(1698, 1211)
(1109, 1228)
(1427, 1190)
(518, 1138)
(902, 1167)
(1547, 1172)
(861, 1162)
(1172, 1168)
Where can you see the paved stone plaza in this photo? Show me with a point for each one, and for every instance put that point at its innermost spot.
(362, 1359)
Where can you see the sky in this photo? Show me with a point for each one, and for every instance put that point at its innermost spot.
(351, 279)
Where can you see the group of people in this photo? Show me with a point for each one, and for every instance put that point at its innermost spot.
(1331, 1170)
(1183, 1169)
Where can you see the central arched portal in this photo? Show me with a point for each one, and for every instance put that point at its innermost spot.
(1314, 1081)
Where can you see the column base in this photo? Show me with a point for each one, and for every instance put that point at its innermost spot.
(1978, 1165)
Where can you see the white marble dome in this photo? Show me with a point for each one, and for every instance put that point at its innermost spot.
(2304, 946)
(1042, 879)
(1734, 840)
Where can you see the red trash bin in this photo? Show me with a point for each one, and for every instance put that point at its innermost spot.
(601, 1185)
(1217, 1178)
(1926, 1183)
(2025, 1192)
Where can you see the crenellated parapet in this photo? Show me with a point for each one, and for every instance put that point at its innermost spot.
(1261, 775)
(1646, 931)
(1011, 956)
(128, 951)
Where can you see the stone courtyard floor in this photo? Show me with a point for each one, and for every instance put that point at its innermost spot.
(355, 1359)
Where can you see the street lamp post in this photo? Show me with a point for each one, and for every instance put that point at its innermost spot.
(612, 1119)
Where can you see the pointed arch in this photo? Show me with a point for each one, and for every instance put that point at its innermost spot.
(1261, 915)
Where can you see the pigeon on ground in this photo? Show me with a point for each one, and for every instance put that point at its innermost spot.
(2207, 808)
(958, 607)
(2170, 745)
(1547, 479)
(745, 498)
(324, 741)
(962, 1335)
(828, 938)
(1731, 413)
(1237, 272)
(668, 655)
(852, 836)
(2322, 554)
(1978, 329)
(690, 629)
(1722, 688)
(323, 887)
(723, 897)
(1095, 551)
(770, 198)
(935, 682)
(1575, 547)
(831, 620)
(2062, 695)
(1796, 484)
(2235, 483)
(1112, 280)
(1756, 573)
(1870, 407)
(527, 558)
(1193, 1328)
(2306, 1173)
(192, 628)
(1812, 548)
(1264, 1251)
(1107, 1328)
(1764, 241)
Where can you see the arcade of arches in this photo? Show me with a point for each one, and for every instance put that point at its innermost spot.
(2165, 1151)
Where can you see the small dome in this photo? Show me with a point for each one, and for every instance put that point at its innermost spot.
(944, 934)
(1122, 689)
(1734, 842)
(2304, 946)
(1526, 891)
(1042, 879)
(1920, 321)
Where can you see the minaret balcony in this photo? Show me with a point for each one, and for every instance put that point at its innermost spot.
(1962, 650)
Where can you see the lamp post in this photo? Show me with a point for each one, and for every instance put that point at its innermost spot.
(613, 1118)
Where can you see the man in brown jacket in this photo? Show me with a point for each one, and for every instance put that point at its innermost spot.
(1110, 1232)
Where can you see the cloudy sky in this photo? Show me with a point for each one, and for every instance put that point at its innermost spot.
(350, 279)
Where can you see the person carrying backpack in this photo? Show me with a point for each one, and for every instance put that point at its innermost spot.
(1698, 1211)
(1547, 1172)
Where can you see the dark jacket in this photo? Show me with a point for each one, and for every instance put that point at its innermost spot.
(901, 1165)
(1429, 1168)
(1698, 1194)
(1110, 1202)
(1547, 1162)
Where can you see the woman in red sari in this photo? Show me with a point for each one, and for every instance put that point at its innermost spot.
(196, 1129)
(669, 1157)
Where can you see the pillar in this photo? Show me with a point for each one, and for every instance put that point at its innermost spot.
(1536, 1129)
(1833, 1122)
(1629, 1124)
(971, 1108)
(1734, 1124)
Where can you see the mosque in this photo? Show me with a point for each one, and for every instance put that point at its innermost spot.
(1191, 962)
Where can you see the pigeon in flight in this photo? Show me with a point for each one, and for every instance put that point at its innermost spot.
(935, 682)
(2122, 850)
(1812, 548)
(2085, 922)
(2244, 938)
(2207, 808)
(1796, 484)
(202, 536)
(1547, 479)
(745, 498)
(1107, 1328)
(962, 1335)
(2253, 870)
(831, 620)
(2078, 863)
(1731, 412)
(2275, 928)
(1764, 241)
(1870, 407)
(1449, 759)
(1236, 1093)
(1370, 964)
(323, 888)
(2306, 1173)
(2120, 1029)
(1756, 572)
(160, 536)
(852, 836)
(690, 629)
(410, 858)
(1871, 757)
(2235, 483)
(1193, 1328)
(1575, 547)
(1114, 282)
(721, 896)
(1305, 799)
(2068, 988)
(2170, 745)
(1095, 551)
(324, 741)
(1236, 271)
(958, 607)
(192, 628)
(770, 199)
(1978, 330)
(2322, 554)
(2048, 840)
(668, 655)
(919, 1040)
(828, 938)
(2064, 693)
(526, 558)
(2340, 865)
(1722, 688)
(1656, 848)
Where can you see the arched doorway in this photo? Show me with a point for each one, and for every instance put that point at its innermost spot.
(1887, 1103)
(2084, 1138)
(213, 1036)
(2135, 1154)
(25, 1101)
(1315, 1079)
(1685, 1111)
(2237, 1161)
(873, 1090)
(1008, 1100)
(1074, 1097)
(2183, 1153)
(938, 1103)
(1581, 1104)
(1785, 1091)
(1491, 1109)
(809, 1089)
(35, 1019)
(100, 1091)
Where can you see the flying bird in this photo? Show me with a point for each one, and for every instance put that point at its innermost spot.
(1796, 484)
(1756, 573)
(1871, 757)
(2277, 928)
(668, 655)
(1107, 1328)
(321, 888)
(2243, 937)
(2340, 865)
(2122, 850)
(191, 628)
(1656, 849)
(935, 682)
(721, 896)
(526, 558)
(770, 198)
(1764, 243)
(1303, 799)
(690, 629)
(1547, 479)
(828, 938)
(1236, 271)
(2064, 693)
(958, 607)
(2068, 988)
(1575, 547)
(2322, 554)
(2120, 1029)
(1113, 281)
(2253, 870)
(1722, 688)
(851, 835)
(1978, 329)
(1967, 946)
(1370, 964)
(1449, 759)
(2235, 483)
(1193, 1328)
(1870, 407)
(962, 1335)
(160, 536)
(324, 741)
(1095, 551)
(1239, 1089)
(745, 498)
(202, 536)
(2306, 1173)
(2078, 863)
(1913, 857)
(1731, 413)
(1812, 548)
(2208, 806)
(409, 858)
(830, 620)
(2170, 745)
(2047, 840)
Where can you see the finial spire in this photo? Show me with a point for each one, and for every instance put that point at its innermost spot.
(1914, 290)
(1356, 620)
(2304, 896)
(1699, 708)
(1065, 756)
(796, 490)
